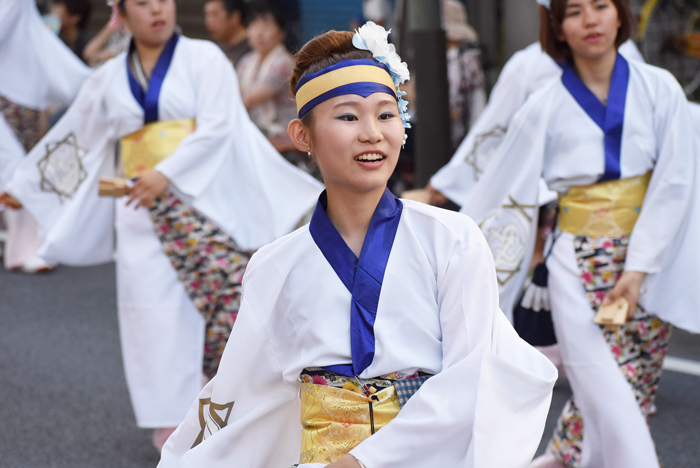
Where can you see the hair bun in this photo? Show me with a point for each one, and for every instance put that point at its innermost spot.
(323, 51)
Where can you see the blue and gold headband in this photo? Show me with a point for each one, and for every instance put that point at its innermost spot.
(381, 74)
(361, 76)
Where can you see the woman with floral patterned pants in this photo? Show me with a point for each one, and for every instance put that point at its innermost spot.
(614, 138)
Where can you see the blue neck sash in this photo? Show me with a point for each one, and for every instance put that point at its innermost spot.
(148, 99)
(363, 277)
(610, 118)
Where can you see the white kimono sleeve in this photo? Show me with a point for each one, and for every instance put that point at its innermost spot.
(228, 170)
(667, 198)
(11, 153)
(58, 180)
(665, 239)
(505, 202)
(198, 157)
(38, 69)
(10, 14)
(488, 406)
(248, 415)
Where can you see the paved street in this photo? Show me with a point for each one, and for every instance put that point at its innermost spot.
(63, 398)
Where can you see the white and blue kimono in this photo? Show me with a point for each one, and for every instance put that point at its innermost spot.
(564, 135)
(422, 296)
(524, 73)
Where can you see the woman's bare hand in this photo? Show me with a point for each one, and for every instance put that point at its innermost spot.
(9, 201)
(148, 188)
(435, 198)
(627, 286)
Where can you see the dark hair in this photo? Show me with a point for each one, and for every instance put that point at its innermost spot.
(321, 52)
(551, 27)
(82, 8)
(232, 6)
(43, 6)
(260, 8)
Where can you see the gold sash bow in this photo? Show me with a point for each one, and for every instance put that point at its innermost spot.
(142, 150)
(603, 209)
(334, 421)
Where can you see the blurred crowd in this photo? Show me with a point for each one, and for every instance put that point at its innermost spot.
(259, 38)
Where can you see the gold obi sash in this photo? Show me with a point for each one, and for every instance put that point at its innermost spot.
(142, 150)
(605, 209)
(334, 420)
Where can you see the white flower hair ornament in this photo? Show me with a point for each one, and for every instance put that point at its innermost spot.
(375, 39)
(545, 3)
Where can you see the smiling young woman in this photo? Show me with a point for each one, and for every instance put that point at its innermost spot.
(356, 142)
(619, 133)
(378, 323)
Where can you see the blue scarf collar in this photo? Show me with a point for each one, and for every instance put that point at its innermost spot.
(148, 99)
(362, 276)
(609, 118)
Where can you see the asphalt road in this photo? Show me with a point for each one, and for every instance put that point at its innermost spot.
(64, 402)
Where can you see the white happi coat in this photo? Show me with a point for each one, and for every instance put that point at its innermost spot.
(226, 169)
(437, 312)
(553, 137)
(524, 73)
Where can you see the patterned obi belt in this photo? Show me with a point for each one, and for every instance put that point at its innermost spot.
(605, 209)
(339, 412)
(142, 150)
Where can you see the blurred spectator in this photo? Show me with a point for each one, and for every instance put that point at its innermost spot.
(290, 11)
(112, 40)
(74, 16)
(464, 72)
(264, 73)
(225, 22)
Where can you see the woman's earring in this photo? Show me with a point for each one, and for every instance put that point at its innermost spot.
(309, 152)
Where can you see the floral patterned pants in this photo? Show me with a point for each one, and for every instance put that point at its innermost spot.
(208, 263)
(24, 122)
(639, 346)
